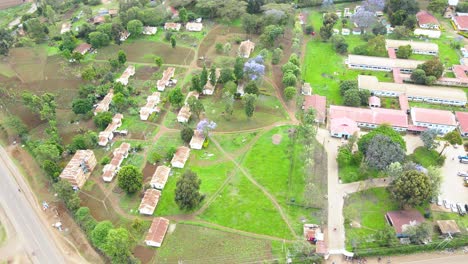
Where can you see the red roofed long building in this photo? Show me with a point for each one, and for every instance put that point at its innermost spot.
(319, 104)
(426, 20)
(462, 118)
(103, 106)
(79, 168)
(108, 134)
(149, 202)
(165, 80)
(461, 22)
(440, 120)
(111, 169)
(157, 232)
(371, 118)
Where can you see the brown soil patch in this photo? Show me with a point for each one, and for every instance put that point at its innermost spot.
(144, 254)
(276, 139)
(10, 3)
(145, 73)
(148, 172)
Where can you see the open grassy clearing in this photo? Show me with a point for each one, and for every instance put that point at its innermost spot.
(235, 141)
(426, 157)
(367, 208)
(223, 247)
(142, 51)
(280, 168)
(243, 206)
(211, 176)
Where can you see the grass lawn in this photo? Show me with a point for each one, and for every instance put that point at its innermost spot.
(462, 221)
(223, 247)
(368, 208)
(211, 176)
(350, 173)
(9, 14)
(280, 169)
(268, 111)
(137, 129)
(235, 141)
(426, 157)
(243, 206)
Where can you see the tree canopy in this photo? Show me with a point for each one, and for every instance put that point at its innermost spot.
(384, 129)
(130, 179)
(187, 192)
(412, 188)
(382, 152)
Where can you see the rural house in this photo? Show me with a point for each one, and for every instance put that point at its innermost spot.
(103, 105)
(245, 48)
(440, 120)
(165, 79)
(160, 176)
(194, 26)
(402, 219)
(184, 114)
(461, 22)
(180, 157)
(150, 106)
(149, 202)
(306, 89)
(190, 94)
(371, 118)
(111, 169)
(99, 20)
(448, 227)
(129, 71)
(66, 27)
(172, 26)
(149, 30)
(319, 104)
(343, 127)
(108, 134)
(197, 140)
(83, 48)
(123, 36)
(157, 232)
(462, 118)
(208, 89)
(426, 20)
(79, 168)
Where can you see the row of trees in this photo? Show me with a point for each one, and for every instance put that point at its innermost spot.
(291, 73)
(352, 95)
(428, 72)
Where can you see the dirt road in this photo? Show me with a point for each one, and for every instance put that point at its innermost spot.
(21, 209)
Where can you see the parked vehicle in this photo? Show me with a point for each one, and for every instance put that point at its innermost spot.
(439, 201)
(461, 209)
(454, 208)
(462, 174)
(466, 183)
(447, 204)
(465, 161)
(466, 207)
(463, 157)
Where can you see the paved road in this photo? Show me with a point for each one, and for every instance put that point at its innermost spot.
(22, 211)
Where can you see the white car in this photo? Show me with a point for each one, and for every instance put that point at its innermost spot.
(462, 174)
(439, 201)
(454, 208)
(447, 204)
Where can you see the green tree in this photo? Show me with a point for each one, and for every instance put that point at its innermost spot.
(81, 106)
(290, 92)
(183, 16)
(382, 152)
(326, 32)
(404, 52)
(102, 119)
(418, 76)
(17, 125)
(47, 151)
(173, 41)
(384, 129)
(230, 87)
(118, 245)
(451, 138)
(196, 106)
(249, 102)
(290, 67)
(347, 85)
(412, 188)
(228, 101)
(386, 237)
(225, 75)
(352, 98)
(339, 43)
(130, 179)
(376, 46)
(99, 234)
(6, 40)
(66, 193)
(251, 88)
(36, 30)
(435, 179)
(68, 42)
(289, 79)
(239, 68)
(176, 98)
(158, 61)
(98, 39)
(52, 169)
(270, 35)
(364, 95)
(122, 57)
(421, 233)
(428, 138)
(213, 78)
(196, 84)
(85, 220)
(276, 56)
(89, 73)
(186, 134)
(187, 192)
(119, 101)
(203, 77)
(135, 27)
(432, 67)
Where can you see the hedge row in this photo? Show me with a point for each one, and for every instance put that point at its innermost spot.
(407, 249)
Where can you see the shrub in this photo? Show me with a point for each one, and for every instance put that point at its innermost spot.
(105, 160)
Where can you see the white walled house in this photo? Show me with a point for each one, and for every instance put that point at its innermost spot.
(440, 120)
(157, 232)
(160, 176)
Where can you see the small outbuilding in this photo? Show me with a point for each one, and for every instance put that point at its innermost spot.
(400, 220)
(197, 140)
(180, 157)
(160, 176)
(157, 232)
(448, 227)
(374, 101)
(149, 202)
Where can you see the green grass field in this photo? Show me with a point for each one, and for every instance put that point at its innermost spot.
(426, 157)
(190, 243)
(233, 142)
(368, 208)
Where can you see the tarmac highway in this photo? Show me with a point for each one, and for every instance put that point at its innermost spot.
(23, 212)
